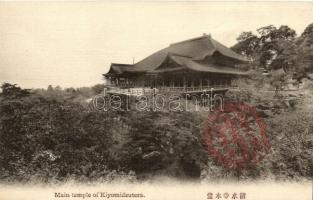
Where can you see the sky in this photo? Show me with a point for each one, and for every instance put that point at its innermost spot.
(71, 44)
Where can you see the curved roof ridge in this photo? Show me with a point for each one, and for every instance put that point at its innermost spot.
(173, 56)
(209, 50)
(176, 54)
(193, 65)
(122, 64)
(192, 39)
(226, 51)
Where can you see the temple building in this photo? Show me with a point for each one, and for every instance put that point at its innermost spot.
(195, 64)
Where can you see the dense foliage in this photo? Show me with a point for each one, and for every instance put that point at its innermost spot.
(49, 136)
(274, 48)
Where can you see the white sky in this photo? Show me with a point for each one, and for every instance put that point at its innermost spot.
(73, 43)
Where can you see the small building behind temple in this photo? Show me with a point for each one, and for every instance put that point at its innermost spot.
(195, 64)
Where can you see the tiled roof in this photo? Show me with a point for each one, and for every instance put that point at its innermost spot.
(196, 49)
(188, 63)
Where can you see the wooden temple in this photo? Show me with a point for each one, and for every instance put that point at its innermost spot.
(191, 65)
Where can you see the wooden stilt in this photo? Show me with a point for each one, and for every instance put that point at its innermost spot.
(192, 83)
(162, 82)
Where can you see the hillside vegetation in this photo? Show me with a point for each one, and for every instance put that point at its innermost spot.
(54, 138)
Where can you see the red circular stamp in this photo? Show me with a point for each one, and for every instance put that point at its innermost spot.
(236, 136)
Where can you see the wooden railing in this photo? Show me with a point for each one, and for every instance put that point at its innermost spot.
(196, 88)
(130, 91)
(145, 90)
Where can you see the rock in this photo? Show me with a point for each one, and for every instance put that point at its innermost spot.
(271, 104)
(151, 154)
(286, 102)
(280, 104)
(264, 113)
(292, 102)
(292, 95)
(263, 107)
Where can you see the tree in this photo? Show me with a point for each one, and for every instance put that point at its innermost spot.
(287, 55)
(12, 90)
(152, 146)
(308, 30)
(304, 61)
(98, 88)
(247, 44)
(50, 88)
(271, 33)
(271, 40)
(50, 138)
(264, 50)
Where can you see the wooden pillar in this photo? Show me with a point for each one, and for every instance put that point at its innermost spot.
(184, 82)
(208, 80)
(201, 83)
(162, 82)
